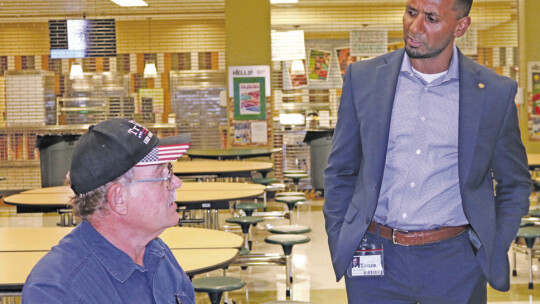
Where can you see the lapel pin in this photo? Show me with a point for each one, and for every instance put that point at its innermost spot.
(481, 85)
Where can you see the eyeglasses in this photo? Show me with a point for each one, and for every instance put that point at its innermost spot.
(158, 179)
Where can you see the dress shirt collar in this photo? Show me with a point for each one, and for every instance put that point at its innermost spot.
(117, 262)
(453, 69)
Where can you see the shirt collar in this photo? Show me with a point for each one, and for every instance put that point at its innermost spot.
(453, 69)
(117, 262)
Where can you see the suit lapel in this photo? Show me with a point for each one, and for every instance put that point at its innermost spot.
(385, 83)
(471, 100)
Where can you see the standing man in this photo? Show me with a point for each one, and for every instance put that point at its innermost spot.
(125, 192)
(421, 134)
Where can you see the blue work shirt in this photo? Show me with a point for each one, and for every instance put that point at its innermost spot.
(420, 186)
(86, 268)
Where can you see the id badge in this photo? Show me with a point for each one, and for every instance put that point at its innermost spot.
(368, 260)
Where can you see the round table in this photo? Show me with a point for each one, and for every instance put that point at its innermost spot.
(228, 168)
(197, 250)
(16, 265)
(222, 154)
(534, 161)
(44, 238)
(191, 195)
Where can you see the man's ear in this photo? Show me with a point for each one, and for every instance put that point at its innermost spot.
(463, 25)
(116, 199)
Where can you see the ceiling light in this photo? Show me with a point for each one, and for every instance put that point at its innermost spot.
(297, 67)
(283, 1)
(130, 2)
(76, 71)
(150, 70)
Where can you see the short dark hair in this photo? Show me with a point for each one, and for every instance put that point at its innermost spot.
(462, 7)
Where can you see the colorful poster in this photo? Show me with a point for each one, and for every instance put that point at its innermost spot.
(249, 98)
(344, 59)
(319, 62)
(242, 133)
(534, 100)
(298, 78)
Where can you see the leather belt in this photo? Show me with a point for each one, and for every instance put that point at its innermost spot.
(407, 238)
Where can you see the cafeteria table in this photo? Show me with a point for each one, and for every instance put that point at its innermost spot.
(222, 154)
(16, 265)
(224, 168)
(43, 238)
(196, 250)
(190, 195)
(534, 161)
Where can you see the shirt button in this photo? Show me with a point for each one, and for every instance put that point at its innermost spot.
(404, 215)
(422, 118)
(413, 184)
(418, 152)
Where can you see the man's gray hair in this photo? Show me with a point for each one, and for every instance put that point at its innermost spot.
(84, 205)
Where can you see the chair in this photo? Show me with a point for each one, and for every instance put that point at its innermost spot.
(529, 234)
(287, 241)
(216, 286)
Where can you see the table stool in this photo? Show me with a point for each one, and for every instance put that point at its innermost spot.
(248, 208)
(292, 171)
(295, 193)
(287, 302)
(534, 212)
(264, 181)
(264, 172)
(291, 203)
(287, 241)
(245, 223)
(529, 235)
(216, 286)
(289, 229)
(296, 177)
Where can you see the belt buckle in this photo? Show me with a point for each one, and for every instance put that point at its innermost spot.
(394, 239)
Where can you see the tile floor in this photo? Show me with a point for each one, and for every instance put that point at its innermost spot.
(313, 276)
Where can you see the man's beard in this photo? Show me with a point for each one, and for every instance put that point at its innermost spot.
(415, 54)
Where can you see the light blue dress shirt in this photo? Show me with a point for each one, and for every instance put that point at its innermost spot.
(420, 186)
(85, 268)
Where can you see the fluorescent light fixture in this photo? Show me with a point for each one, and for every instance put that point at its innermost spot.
(150, 70)
(130, 2)
(289, 45)
(291, 119)
(283, 1)
(297, 67)
(76, 71)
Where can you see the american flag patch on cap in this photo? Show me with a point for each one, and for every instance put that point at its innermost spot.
(168, 149)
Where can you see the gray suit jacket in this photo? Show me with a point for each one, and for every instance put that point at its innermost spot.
(489, 145)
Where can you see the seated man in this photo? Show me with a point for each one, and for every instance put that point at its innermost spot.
(125, 193)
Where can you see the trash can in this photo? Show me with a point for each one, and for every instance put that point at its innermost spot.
(55, 157)
(320, 145)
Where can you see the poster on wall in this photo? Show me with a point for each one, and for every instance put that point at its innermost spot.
(249, 98)
(534, 100)
(242, 133)
(344, 59)
(319, 63)
(368, 42)
(249, 71)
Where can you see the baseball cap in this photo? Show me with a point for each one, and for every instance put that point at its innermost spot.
(112, 147)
